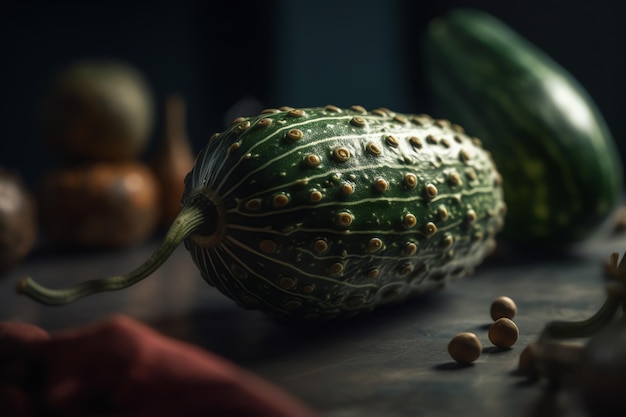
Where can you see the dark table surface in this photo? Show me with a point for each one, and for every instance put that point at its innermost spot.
(391, 362)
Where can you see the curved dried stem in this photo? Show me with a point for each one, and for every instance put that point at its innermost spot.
(189, 220)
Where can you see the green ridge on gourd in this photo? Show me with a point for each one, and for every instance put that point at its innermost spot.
(562, 170)
(316, 213)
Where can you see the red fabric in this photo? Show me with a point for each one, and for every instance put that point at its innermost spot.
(122, 367)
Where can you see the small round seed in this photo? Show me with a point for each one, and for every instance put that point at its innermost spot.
(442, 212)
(431, 190)
(416, 142)
(358, 121)
(285, 108)
(503, 333)
(332, 108)
(341, 154)
(315, 196)
(410, 180)
(503, 306)
(464, 155)
(312, 160)
(336, 268)
(344, 219)
(359, 109)
(471, 217)
(400, 119)
(465, 348)
(294, 134)
(447, 241)
(320, 246)
(392, 141)
(347, 188)
(454, 179)
(430, 229)
(374, 244)
(409, 220)
(410, 249)
(232, 148)
(280, 200)
(373, 149)
(264, 122)
(214, 136)
(295, 113)
(380, 185)
(238, 120)
(431, 139)
(243, 126)
(270, 111)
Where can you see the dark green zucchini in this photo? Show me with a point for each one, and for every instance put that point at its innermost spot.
(324, 212)
(562, 172)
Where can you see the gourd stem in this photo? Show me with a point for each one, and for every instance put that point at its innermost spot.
(188, 220)
(583, 328)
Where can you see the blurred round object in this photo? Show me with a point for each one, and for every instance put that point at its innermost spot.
(18, 220)
(101, 205)
(99, 110)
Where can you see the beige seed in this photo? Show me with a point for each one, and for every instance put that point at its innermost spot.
(374, 244)
(392, 141)
(431, 191)
(410, 180)
(465, 348)
(380, 185)
(294, 134)
(344, 219)
(359, 109)
(336, 268)
(464, 155)
(447, 241)
(285, 108)
(232, 148)
(431, 139)
(270, 111)
(442, 212)
(409, 220)
(347, 188)
(333, 109)
(410, 249)
(503, 333)
(471, 216)
(400, 119)
(214, 136)
(243, 126)
(320, 246)
(312, 160)
(373, 149)
(415, 142)
(503, 306)
(341, 154)
(430, 229)
(280, 200)
(454, 179)
(358, 121)
(264, 122)
(295, 113)
(315, 196)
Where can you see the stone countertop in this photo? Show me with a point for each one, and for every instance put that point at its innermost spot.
(390, 362)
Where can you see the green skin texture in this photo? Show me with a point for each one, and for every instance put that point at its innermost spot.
(291, 256)
(562, 172)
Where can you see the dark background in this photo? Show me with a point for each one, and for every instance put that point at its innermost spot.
(234, 58)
